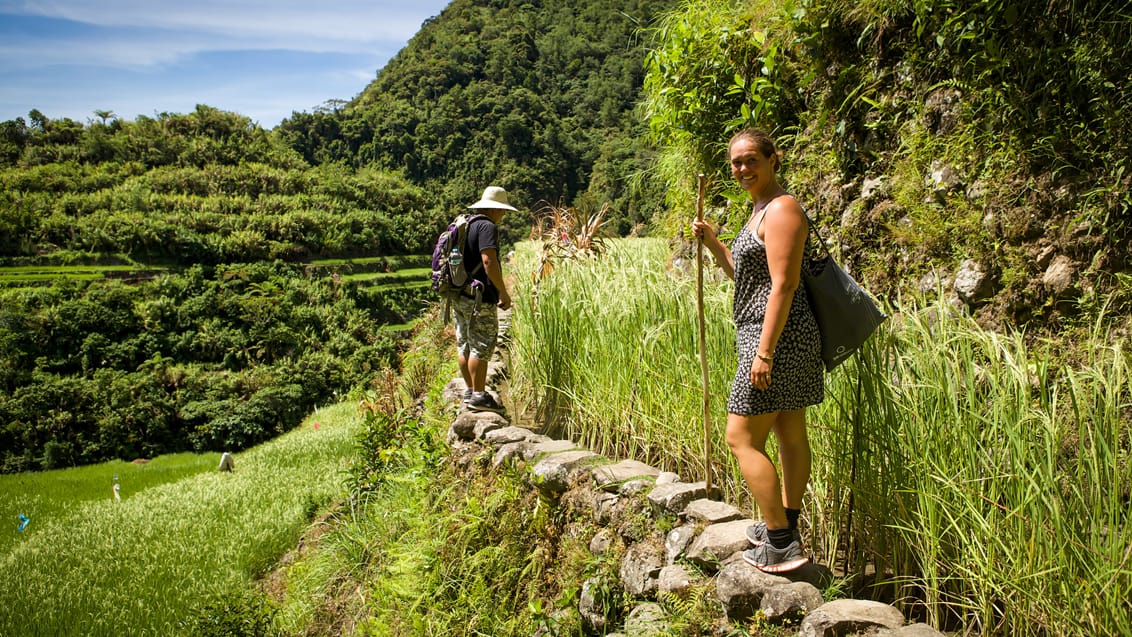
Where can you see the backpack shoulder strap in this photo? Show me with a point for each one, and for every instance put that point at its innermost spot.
(464, 243)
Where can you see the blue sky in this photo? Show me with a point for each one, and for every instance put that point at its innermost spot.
(260, 58)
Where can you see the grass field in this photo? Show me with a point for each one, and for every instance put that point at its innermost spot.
(44, 497)
(182, 536)
(407, 278)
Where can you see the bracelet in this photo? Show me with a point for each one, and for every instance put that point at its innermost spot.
(767, 358)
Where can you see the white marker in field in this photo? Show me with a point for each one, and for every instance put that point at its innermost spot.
(226, 462)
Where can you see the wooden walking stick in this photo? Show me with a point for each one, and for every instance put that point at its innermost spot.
(702, 184)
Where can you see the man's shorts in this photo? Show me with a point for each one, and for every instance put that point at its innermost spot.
(477, 327)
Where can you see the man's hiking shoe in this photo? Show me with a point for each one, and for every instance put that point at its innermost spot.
(768, 559)
(756, 534)
(483, 401)
(467, 396)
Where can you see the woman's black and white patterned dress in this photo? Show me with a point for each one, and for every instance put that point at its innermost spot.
(797, 375)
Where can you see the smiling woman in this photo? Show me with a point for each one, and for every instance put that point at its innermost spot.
(70, 59)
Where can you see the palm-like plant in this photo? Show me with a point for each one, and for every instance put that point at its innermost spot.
(566, 233)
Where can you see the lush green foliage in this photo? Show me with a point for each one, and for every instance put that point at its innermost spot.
(987, 479)
(202, 360)
(160, 561)
(1037, 136)
(629, 290)
(538, 97)
(534, 97)
(987, 475)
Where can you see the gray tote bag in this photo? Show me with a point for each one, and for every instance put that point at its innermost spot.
(845, 313)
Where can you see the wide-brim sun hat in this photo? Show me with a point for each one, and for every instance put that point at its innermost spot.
(495, 198)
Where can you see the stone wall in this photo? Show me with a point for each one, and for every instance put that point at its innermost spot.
(709, 535)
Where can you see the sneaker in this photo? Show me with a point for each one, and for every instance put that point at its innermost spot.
(768, 559)
(467, 395)
(483, 401)
(756, 534)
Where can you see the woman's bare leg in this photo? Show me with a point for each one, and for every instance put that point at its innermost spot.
(747, 435)
(793, 455)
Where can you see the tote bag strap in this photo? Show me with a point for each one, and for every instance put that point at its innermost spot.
(814, 232)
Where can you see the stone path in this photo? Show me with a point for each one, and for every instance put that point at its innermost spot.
(706, 542)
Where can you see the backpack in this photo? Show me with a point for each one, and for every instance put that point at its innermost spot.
(449, 276)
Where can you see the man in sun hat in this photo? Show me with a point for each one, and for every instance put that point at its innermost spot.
(477, 323)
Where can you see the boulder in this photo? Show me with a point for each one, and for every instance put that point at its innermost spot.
(673, 497)
(790, 601)
(848, 616)
(674, 579)
(640, 569)
(634, 487)
(505, 435)
(647, 620)
(711, 512)
(1060, 276)
(454, 390)
(591, 607)
(469, 425)
(511, 453)
(602, 541)
(552, 472)
(677, 541)
(610, 477)
(973, 283)
(718, 542)
(549, 446)
(604, 505)
(741, 587)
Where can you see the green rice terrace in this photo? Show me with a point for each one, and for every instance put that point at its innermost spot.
(396, 271)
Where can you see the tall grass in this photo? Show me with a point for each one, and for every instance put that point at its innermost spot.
(983, 479)
(607, 353)
(987, 475)
(145, 565)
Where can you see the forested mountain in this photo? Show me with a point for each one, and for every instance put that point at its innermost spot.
(537, 97)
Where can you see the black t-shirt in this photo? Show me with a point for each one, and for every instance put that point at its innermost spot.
(482, 235)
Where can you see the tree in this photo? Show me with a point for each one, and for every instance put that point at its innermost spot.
(104, 115)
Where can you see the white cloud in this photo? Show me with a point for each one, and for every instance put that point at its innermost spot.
(136, 50)
(267, 23)
(262, 58)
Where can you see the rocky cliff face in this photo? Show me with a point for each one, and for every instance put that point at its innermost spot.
(1031, 251)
